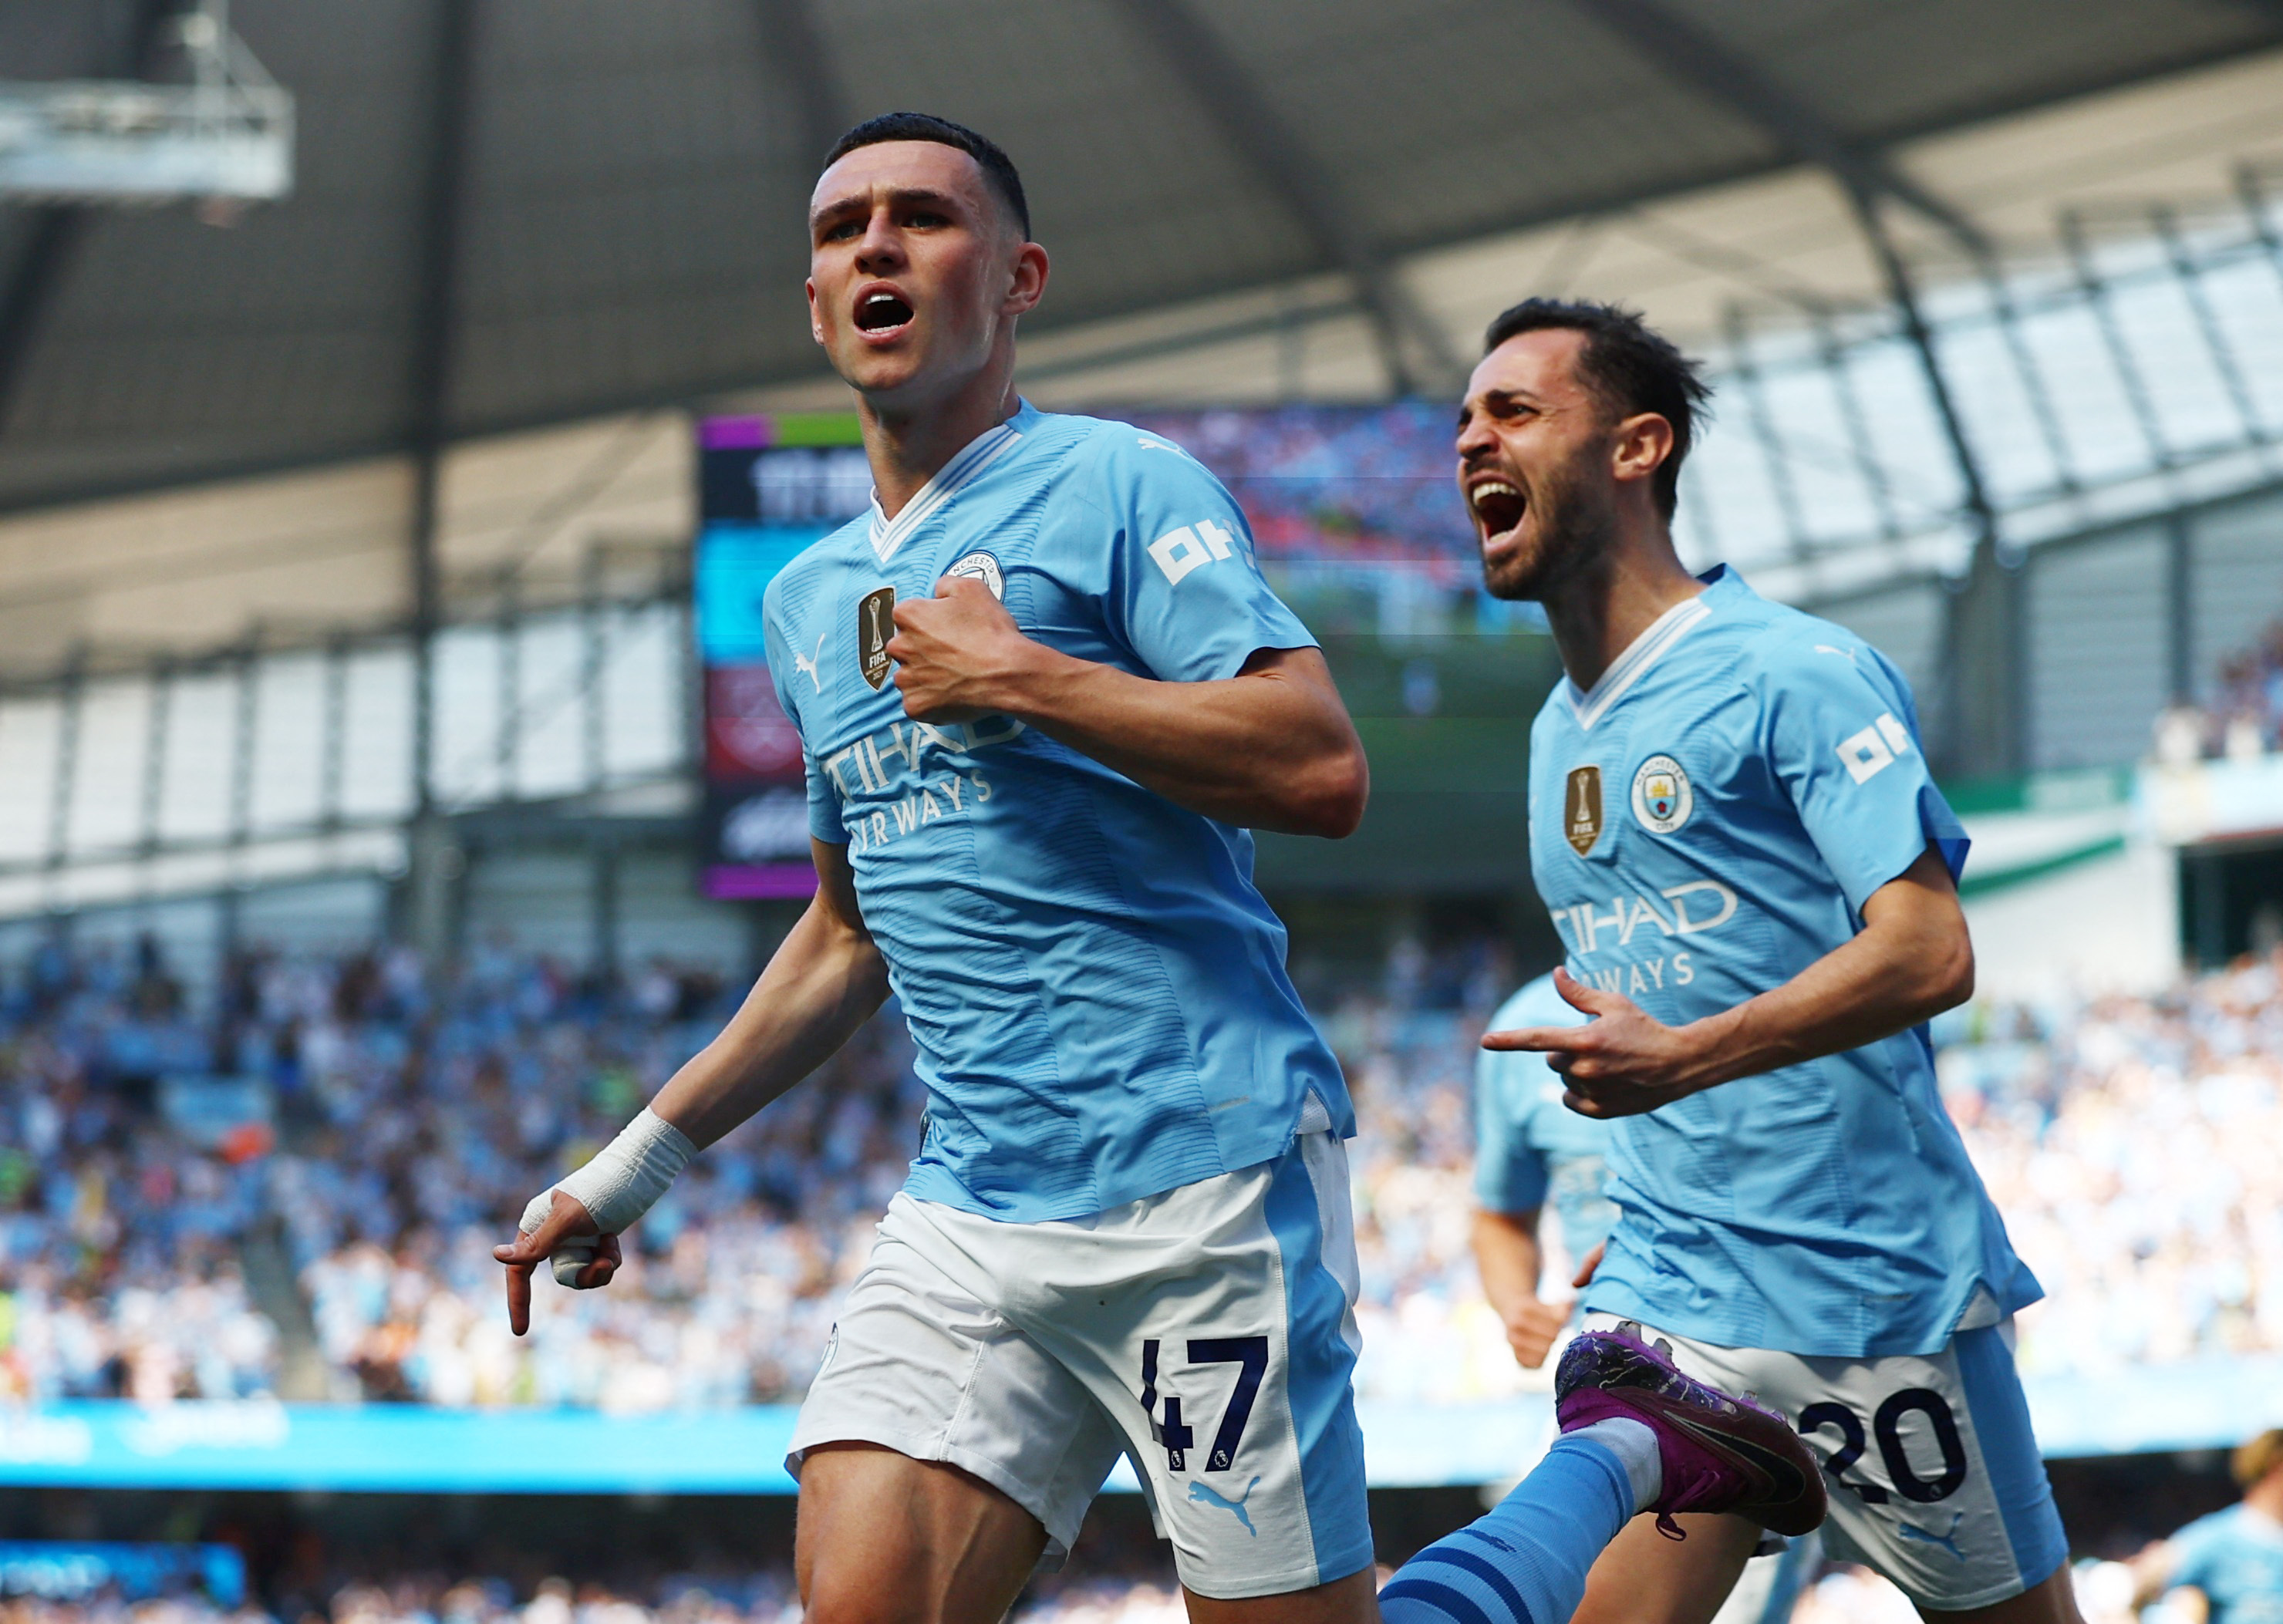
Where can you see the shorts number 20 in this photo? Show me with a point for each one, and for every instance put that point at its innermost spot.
(1887, 1427)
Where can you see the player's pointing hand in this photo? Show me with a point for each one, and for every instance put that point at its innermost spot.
(1621, 1063)
(959, 655)
(567, 1234)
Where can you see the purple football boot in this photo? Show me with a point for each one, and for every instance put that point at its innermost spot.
(1720, 1453)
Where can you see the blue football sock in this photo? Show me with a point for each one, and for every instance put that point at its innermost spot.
(1525, 1561)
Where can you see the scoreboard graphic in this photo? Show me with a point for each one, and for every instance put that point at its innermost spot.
(768, 487)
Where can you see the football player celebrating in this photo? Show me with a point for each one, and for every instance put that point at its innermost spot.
(1754, 877)
(1045, 692)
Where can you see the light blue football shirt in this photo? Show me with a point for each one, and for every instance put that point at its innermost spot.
(2236, 1558)
(1095, 990)
(1530, 1150)
(1706, 823)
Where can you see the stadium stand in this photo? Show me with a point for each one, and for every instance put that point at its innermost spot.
(2126, 1139)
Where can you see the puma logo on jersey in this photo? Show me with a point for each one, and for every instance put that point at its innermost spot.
(1205, 1494)
(807, 662)
(1180, 552)
(1872, 751)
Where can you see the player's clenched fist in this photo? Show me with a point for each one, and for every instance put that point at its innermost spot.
(958, 654)
(1530, 1330)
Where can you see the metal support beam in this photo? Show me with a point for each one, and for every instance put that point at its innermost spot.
(437, 246)
(1193, 53)
(2128, 375)
(1902, 288)
(2180, 607)
(56, 233)
(1756, 408)
(2190, 274)
(1860, 443)
(1695, 57)
(157, 721)
(1985, 705)
(64, 791)
(334, 748)
(508, 742)
(791, 46)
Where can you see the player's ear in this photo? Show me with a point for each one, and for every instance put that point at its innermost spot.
(815, 320)
(1026, 280)
(1641, 445)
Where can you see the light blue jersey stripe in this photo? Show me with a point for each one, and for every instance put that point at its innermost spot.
(1318, 1365)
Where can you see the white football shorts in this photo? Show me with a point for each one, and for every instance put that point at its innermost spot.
(1209, 1334)
(1936, 1481)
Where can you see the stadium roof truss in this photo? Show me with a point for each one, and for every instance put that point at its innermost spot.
(507, 216)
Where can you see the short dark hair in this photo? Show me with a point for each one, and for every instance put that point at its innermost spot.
(990, 157)
(1631, 366)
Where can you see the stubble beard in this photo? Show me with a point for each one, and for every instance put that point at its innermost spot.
(1573, 529)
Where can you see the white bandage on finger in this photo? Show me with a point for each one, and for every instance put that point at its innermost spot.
(623, 1182)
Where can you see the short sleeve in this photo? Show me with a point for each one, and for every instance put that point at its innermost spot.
(1841, 736)
(1187, 594)
(1510, 1173)
(825, 818)
(2193, 1550)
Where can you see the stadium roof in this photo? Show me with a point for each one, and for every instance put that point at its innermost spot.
(508, 215)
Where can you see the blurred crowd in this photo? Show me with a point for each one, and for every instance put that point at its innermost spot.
(155, 1245)
(2243, 718)
(2131, 1144)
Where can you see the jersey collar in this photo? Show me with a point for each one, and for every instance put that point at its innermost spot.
(953, 477)
(1644, 651)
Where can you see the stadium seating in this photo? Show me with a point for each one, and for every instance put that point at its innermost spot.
(2127, 1141)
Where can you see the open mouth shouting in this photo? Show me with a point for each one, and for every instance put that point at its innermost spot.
(882, 312)
(1498, 504)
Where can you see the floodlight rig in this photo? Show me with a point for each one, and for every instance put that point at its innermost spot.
(226, 136)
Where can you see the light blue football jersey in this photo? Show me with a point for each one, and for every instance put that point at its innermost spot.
(2236, 1558)
(1095, 990)
(1706, 823)
(1530, 1150)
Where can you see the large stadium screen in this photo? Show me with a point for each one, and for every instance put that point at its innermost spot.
(1353, 508)
(768, 486)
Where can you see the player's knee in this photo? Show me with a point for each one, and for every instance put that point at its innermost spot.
(848, 1593)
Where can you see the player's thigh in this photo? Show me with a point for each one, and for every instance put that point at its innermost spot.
(2052, 1601)
(1230, 1373)
(921, 1367)
(1643, 1577)
(884, 1539)
(1936, 1479)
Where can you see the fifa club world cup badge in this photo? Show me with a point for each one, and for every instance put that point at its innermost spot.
(875, 624)
(1581, 814)
(1661, 797)
(981, 567)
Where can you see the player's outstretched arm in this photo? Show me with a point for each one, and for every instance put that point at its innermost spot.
(1912, 961)
(1506, 1254)
(823, 982)
(1270, 748)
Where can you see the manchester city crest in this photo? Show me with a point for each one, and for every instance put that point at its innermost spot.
(876, 625)
(981, 567)
(1663, 798)
(1581, 810)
